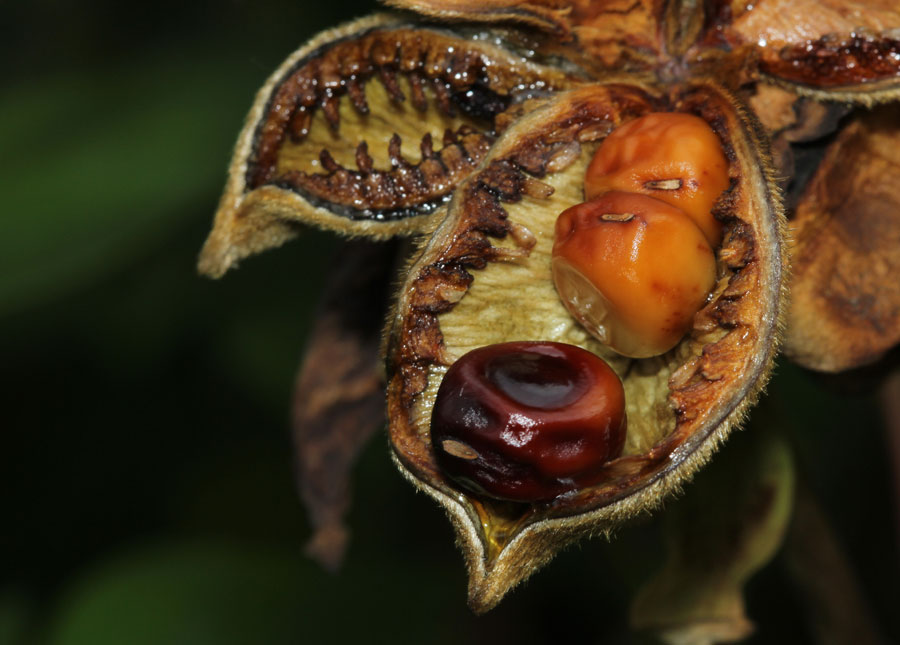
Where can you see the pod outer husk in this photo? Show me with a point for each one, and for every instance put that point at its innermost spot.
(378, 80)
(684, 404)
(599, 28)
(248, 223)
(816, 48)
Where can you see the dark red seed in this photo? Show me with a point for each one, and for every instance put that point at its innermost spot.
(528, 421)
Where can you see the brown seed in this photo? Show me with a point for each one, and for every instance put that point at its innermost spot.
(394, 151)
(427, 146)
(672, 156)
(299, 125)
(636, 277)
(545, 418)
(388, 77)
(417, 86)
(328, 162)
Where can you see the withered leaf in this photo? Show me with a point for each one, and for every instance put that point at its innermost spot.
(339, 395)
(791, 118)
(845, 307)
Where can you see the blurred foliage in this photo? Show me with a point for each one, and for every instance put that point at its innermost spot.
(144, 459)
(716, 539)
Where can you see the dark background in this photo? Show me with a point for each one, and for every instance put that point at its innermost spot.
(147, 492)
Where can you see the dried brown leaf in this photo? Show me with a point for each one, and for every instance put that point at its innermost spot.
(846, 253)
(339, 396)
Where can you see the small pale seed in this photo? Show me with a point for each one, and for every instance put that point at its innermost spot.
(663, 184)
(458, 449)
(537, 189)
(617, 217)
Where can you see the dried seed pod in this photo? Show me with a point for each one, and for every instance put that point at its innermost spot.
(483, 277)
(817, 46)
(679, 406)
(633, 270)
(345, 88)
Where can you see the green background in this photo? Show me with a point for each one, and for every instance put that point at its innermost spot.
(147, 492)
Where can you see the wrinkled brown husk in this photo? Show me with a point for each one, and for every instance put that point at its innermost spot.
(830, 49)
(613, 34)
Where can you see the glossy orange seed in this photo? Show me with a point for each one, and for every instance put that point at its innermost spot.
(633, 270)
(672, 156)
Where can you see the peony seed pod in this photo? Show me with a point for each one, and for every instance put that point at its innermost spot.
(473, 136)
(485, 277)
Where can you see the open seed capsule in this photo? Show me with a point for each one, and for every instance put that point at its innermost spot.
(527, 421)
(633, 270)
(485, 278)
(520, 114)
(672, 156)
